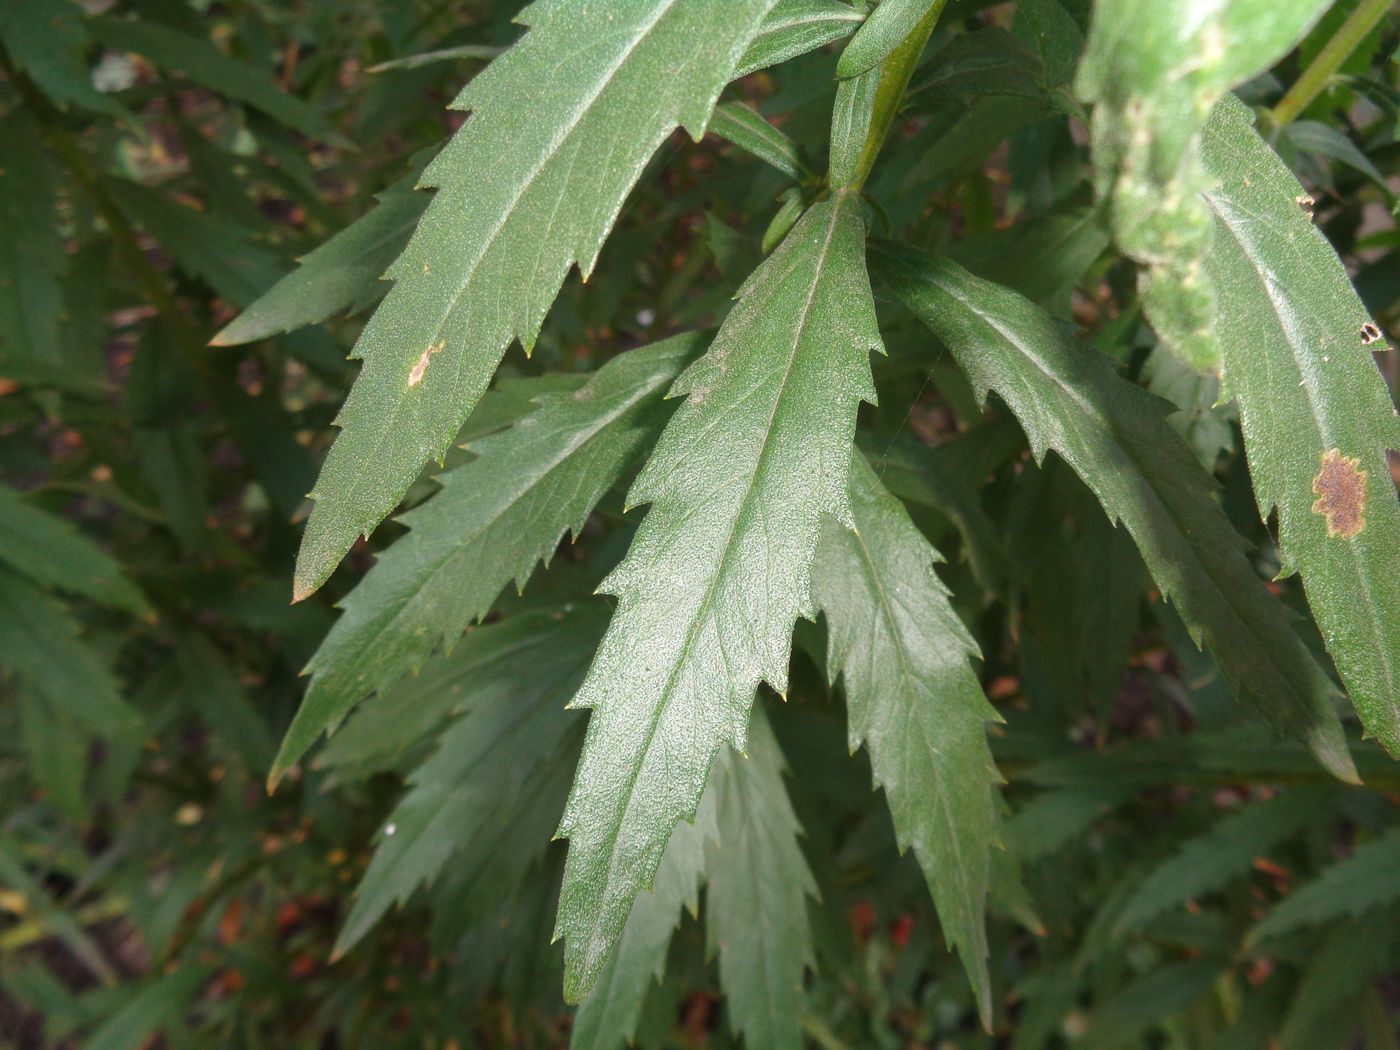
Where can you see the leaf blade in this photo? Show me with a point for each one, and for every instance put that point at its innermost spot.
(1116, 438)
(521, 196)
(723, 556)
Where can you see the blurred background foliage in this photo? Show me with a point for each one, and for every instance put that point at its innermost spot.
(1193, 881)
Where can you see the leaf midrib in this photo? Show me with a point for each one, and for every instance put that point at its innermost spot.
(702, 611)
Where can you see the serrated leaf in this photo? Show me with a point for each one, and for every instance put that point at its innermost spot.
(39, 642)
(524, 190)
(1350, 887)
(914, 701)
(720, 568)
(32, 257)
(198, 59)
(795, 27)
(46, 39)
(493, 521)
(608, 1017)
(756, 900)
(1116, 438)
(883, 31)
(510, 726)
(341, 276)
(52, 552)
(1154, 74)
(202, 244)
(1316, 412)
(1207, 862)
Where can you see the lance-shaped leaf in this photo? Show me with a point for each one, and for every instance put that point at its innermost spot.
(494, 520)
(1205, 863)
(913, 700)
(1116, 437)
(756, 903)
(1154, 71)
(882, 32)
(561, 126)
(720, 568)
(342, 275)
(795, 27)
(1316, 412)
(512, 722)
(50, 551)
(608, 1018)
(1353, 886)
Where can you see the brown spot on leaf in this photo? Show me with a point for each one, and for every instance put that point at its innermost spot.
(1369, 333)
(1306, 203)
(421, 365)
(1340, 487)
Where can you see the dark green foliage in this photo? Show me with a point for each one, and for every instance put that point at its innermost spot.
(930, 580)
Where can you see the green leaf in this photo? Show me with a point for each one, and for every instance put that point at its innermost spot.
(1154, 77)
(341, 276)
(915, 703)
(1323, 1008)
(720, 568)
(163, 1001)
(512, 723)
(47, 40)
(51, 552)
(746, 128)
(493, 521)
(1351, 887)
(32, 257)
(882, 32)
(1207, 862)
(202, 244)
(608, 1017)
(795, 27)
(1116, 438)
(851, 115)
(523, 192)
(756, 903)
(39, 642)
(202, 62)
(1316, 412)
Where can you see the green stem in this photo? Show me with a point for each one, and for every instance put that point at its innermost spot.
(895, 73)
(1327, 61)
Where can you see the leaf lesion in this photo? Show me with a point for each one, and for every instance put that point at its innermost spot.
(1340, 487)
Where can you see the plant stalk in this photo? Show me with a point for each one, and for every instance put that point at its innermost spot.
(1327, 61)
(895, 73)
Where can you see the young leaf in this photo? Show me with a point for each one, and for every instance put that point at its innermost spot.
(608, 1017)
(1154, 74)
(1206, 862)
(1363, 881)
(1316, 412)
(523, 192)
(50, 551)
(795, 27)
(720, 568)
(511, 725)
(882, 32)
(756, 903)
(746, 128)
(914, 701)
(493, 520)
(341, 276)
(1116, 438)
